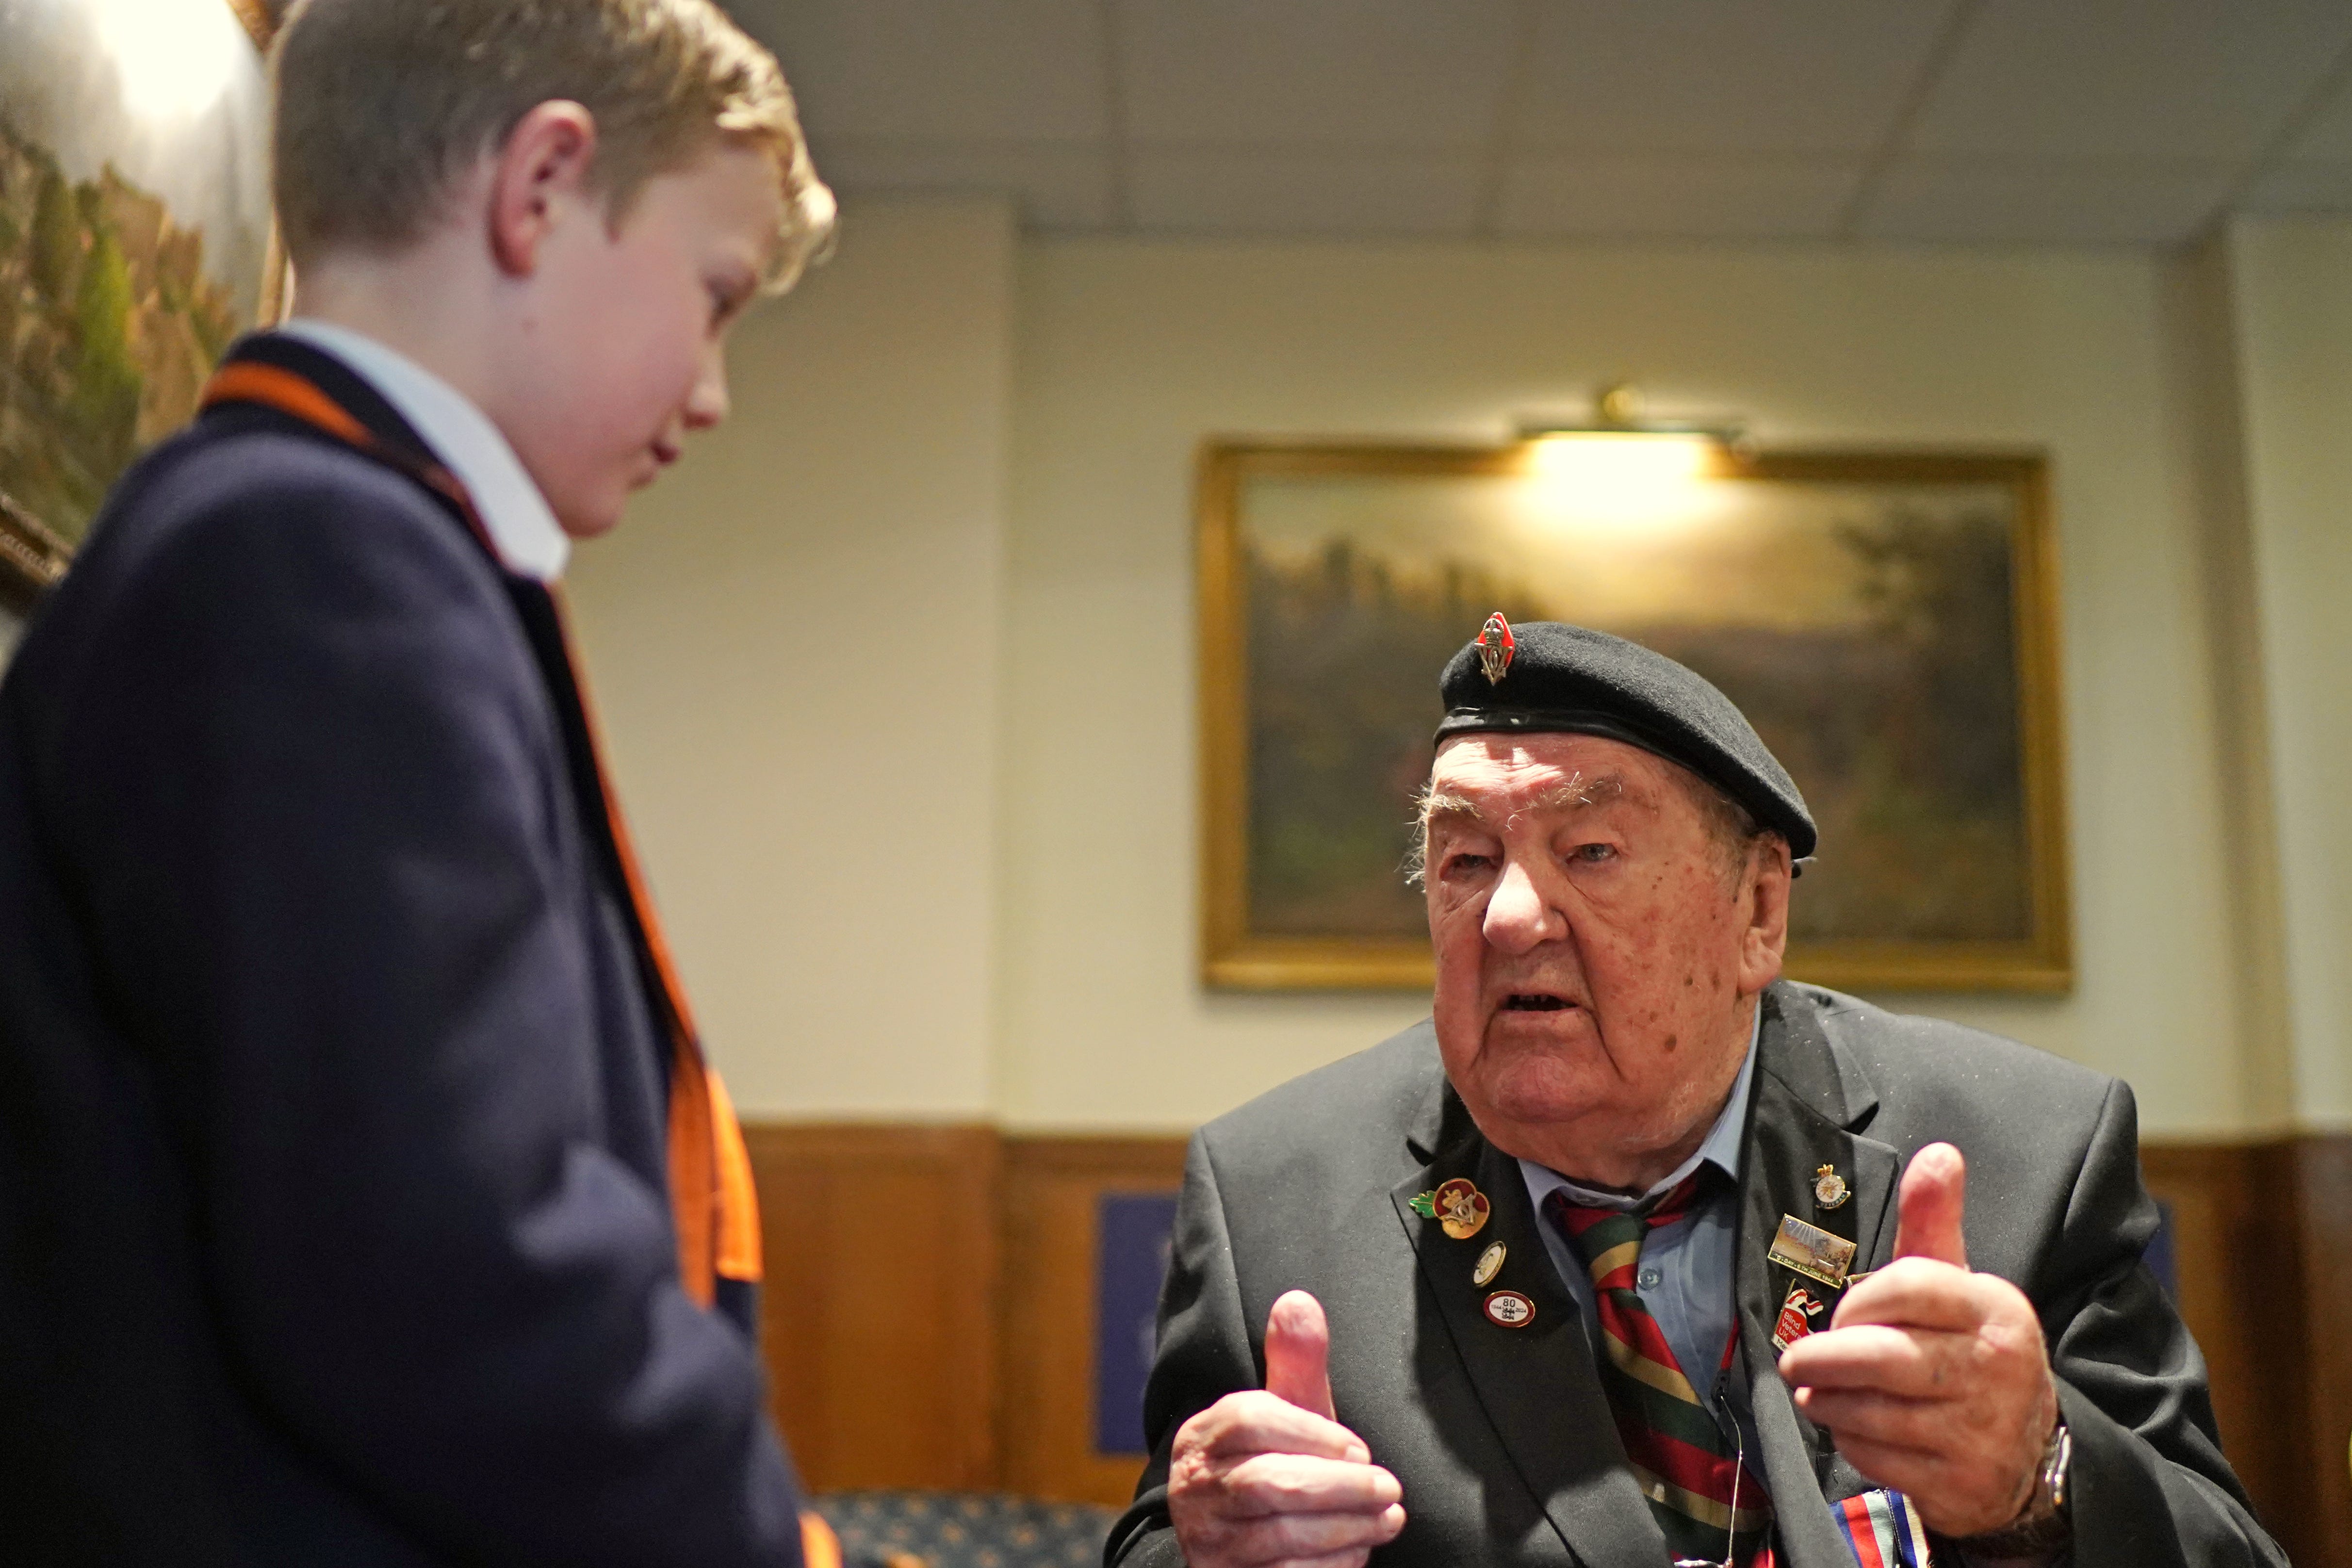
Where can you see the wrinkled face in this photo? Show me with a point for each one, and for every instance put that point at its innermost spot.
(626, 331)
(1597, 955)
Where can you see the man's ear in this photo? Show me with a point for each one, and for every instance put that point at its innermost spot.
(537, 175)
(1765, 942)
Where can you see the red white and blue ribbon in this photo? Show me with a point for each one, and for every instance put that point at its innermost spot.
(1882, 1530)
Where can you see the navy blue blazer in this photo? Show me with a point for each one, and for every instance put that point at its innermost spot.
(333, 1224)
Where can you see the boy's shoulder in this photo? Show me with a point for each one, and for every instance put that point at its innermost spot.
(246, 502)
(242, 478)
(244, 528)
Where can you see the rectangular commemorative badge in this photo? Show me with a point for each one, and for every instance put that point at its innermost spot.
(1812, 1251)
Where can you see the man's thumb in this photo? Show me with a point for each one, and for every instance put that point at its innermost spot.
(1935, 1190)
(1298, 1353)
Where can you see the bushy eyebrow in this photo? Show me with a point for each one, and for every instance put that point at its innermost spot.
(1579, 792)
(1435, 806)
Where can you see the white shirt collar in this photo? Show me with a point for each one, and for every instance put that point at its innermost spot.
(1721, 1147)
(522, 528)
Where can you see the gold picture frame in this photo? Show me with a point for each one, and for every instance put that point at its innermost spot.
(2027, 948)
(36, 543)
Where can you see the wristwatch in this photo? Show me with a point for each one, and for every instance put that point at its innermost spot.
(2045, 1525)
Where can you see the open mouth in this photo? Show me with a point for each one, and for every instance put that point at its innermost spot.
(1534, 1002)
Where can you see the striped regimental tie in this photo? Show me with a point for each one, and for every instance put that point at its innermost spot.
(1685, 1464)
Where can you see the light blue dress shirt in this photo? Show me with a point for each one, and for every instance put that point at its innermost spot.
(1684, 1275)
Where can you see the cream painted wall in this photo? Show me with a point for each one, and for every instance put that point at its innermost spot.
(794, 641)
(1129, 352)
(898, 668)
(2292, 283)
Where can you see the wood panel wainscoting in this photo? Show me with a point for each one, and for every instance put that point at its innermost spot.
(930, 1313)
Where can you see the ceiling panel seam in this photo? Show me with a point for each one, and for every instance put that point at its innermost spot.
(1120, 205)
(2291, 130)
(1487, 206)
(1907, 117)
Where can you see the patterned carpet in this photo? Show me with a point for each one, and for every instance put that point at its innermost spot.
(963, 1530)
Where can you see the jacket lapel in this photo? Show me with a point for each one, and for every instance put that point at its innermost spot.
(1538, 1383)
(1808, 1106)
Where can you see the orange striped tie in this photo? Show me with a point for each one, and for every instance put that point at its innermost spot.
(1704, 1500)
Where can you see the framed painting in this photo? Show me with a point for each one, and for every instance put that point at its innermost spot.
(135, 242)
(1886, 621)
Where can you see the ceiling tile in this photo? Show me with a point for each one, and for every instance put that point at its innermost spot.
(2328, 138)
(1246, 191)
(1681, 198)
(2301, 187)
(1743, 77)
(1971, 202)
(2130, 79)
(1058, 185)
(900, 69)
(1396, 74)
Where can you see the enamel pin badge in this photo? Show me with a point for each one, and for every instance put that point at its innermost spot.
(1509, 1309)
(1495, 646)
(1797, 1314)
(1812, 1252)
(1490, 1263)
(1830, 1190)
(1458, 1206)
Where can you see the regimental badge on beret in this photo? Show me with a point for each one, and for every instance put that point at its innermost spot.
(1573, 680)
(1495, 646)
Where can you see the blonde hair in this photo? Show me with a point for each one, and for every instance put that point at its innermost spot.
(381, 104)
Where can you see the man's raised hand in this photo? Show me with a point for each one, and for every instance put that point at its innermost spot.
(1269, 1477)
(1933, 1380)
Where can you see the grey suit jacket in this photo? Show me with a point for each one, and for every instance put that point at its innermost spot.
(1502, 1438)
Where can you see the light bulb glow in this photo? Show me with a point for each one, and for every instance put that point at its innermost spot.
(1628, 476)
(176, 58)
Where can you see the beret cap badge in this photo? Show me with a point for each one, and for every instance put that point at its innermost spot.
(1495, 646)
(1569, 680)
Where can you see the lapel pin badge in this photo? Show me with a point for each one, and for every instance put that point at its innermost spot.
(1796, 1317)
(1490, 1263)
(1509, 1309)
(1458, 1206)
(1830, 1190)
(1812, 1251)
(1495, 648)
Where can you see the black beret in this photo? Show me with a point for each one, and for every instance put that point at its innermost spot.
(1544, 677)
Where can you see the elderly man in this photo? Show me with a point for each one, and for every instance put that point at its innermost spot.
(1635, 1254)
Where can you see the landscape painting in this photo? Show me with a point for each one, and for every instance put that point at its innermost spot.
(1885, 621)
(135, 243)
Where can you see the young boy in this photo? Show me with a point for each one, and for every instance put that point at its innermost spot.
(364, 1198)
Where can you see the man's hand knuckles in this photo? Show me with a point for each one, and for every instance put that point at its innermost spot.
(1865, 1356)
(1941, 1305)
(1256, 1421)
(1294, 1538)
(1356, 1559)
(1315, 1535)
(1286, 1491)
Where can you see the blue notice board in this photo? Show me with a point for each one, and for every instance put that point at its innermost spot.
(1132, 1233)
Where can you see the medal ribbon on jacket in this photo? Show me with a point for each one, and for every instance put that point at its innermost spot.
(713, 1201)
(1882, 1530)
